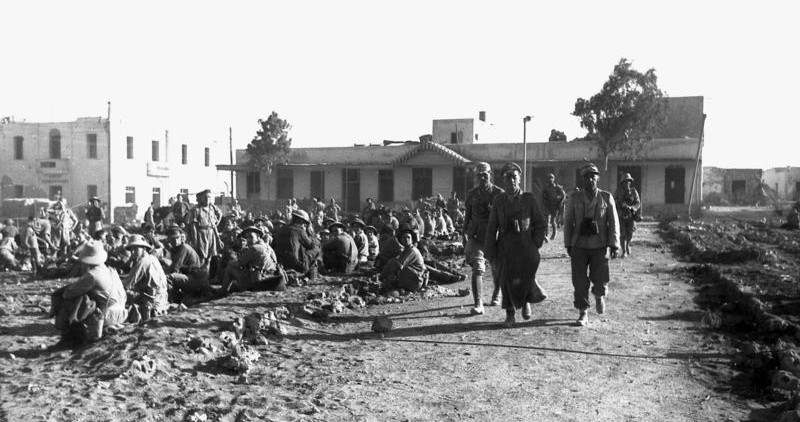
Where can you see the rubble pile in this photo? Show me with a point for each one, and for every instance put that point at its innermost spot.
(748, 282)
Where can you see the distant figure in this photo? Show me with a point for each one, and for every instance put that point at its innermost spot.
(146, 286)
(553, 201)
(179, 210)
(628, 207)
(793, 219)
(95, 214)
(406, 271)
(201, 228)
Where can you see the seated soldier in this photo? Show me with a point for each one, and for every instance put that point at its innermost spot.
(149, 234)
(372, 242)
(256, 267)
(408, 270)
(184, 270)
(389, 247)
(8, 250)
(94, 303)
(297, 246)
(357, 227)
(146, 285)
(339, 253)
(793, 219)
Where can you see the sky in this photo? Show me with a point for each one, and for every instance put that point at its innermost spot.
(345, 72)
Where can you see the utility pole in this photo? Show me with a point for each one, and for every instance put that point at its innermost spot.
(230, 148)
(697, 166)
(525, 121)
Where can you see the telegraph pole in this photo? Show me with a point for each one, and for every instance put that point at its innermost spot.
(230, 149)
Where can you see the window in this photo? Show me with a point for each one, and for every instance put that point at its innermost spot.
(91, 145)
(18, 148)
(154, 151)
(421, 183)
(253, 185)
(285, 183)
(207, 153)
(91, 191)
(130, 195)
(385, 185)
(129, 144)
(19, 191)
(456, 137)
(318, 184)
(55, 143)
(55, 191)
(156, 197)
(47, 164)
(184, 154)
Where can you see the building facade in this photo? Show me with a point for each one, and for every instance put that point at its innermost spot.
(126, 167)
(785, 181)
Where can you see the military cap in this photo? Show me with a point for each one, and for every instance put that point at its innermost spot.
(482, 167)
(510, 166)
(589, 168)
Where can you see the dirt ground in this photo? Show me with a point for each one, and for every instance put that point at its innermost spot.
(649, 358)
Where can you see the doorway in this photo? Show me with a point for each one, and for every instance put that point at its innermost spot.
(351, 187)
(674, 185)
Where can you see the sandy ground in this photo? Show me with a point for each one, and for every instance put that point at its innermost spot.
(647, 359)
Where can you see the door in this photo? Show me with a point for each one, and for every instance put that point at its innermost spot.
(421, 183)
(674, 185)
(796, 191)
(738, 191)
(351, 187)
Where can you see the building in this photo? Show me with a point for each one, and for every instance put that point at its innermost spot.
(440, 164)
(126, 167)
(785, 181)
(736, 186)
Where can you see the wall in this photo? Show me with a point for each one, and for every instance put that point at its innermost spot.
(73, 172)
(783, 180)
(444, 127)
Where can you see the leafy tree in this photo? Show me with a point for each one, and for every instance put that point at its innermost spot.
(271, 144)
(624, 116)
(557, 136)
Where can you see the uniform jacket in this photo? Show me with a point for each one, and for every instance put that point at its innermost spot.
(478, 207)
(579, 206)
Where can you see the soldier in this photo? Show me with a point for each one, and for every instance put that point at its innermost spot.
(340, 252)
(201, 227)
(179, 210)
(95, 214)
(591, 228)
(255, 267)
(553, 200)
(628, 207)
(296, 245)
(479, 202)
(357, 228)
(514, 234)
(184, 270)
(146, 286)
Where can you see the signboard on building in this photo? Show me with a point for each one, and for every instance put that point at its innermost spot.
(155, 169)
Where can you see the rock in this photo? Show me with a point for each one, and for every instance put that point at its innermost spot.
(785, 380)
(229, 338)
(393, 293)
(382, 324)
(241, 359)
(464, 292)
(196, 343)
(357, 302)
(337, 307)
(790, 362)
(282, 312)
(144, 368)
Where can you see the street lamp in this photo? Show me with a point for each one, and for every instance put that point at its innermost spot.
(525, 121)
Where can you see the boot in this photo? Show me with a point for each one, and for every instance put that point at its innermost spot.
(495, 296)
(477, 293)
(600, 304)
(583, 318)
(509, 322)
(526, 311)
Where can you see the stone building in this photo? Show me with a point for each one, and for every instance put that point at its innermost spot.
(736, 186)
(127, 167)
(400, 174)
(785, 181)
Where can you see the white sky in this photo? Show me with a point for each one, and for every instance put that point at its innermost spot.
(345, 72)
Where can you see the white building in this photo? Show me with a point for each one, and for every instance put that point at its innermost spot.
(122, 164)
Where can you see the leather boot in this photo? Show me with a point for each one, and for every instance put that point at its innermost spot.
(509, 322)
(477, 293)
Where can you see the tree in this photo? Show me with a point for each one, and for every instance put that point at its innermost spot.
(557, 136)
(624, 116)
(271, 144)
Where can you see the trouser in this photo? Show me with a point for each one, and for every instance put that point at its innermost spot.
(8, 260)
(477, 260)
(626, 229)
(552, 218)
(595, 261)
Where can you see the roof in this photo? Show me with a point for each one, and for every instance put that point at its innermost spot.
(437, 148)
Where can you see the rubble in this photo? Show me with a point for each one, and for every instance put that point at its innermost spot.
(382, 324)
(240, 360)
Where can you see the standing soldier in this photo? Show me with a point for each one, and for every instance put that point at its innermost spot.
(201, 228)
(65, 222)
(628, 208)
(179, 210)
(553, 199)
(95, 214)
(479, 202)
(591, 227)
(514, 234)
